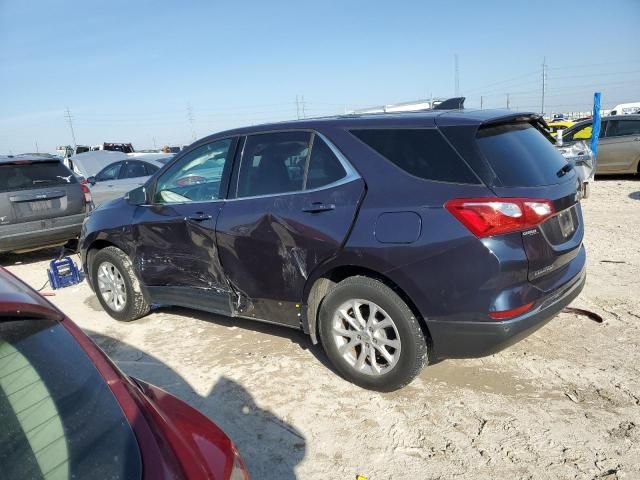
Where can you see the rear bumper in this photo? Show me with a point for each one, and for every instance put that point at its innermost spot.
(460, 339)
(39, 233)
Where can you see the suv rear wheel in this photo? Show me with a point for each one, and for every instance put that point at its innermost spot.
(116, 285)
(370, 335)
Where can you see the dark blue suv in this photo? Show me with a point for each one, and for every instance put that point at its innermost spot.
(393, 240)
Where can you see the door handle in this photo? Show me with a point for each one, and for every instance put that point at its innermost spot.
(317, 207)
(198, 217)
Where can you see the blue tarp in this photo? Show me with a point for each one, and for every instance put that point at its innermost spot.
(595, 131)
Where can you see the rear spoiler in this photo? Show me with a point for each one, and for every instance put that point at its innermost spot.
(455, 103)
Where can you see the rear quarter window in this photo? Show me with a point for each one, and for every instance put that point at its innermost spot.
(423, 153)
(23, 176)
(520, 155)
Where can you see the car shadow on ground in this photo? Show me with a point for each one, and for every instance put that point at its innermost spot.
(35, 256)
(294, 335)
(270, 447)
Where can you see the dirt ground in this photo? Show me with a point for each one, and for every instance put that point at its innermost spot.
(564, 403)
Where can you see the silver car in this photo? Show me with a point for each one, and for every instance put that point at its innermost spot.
(618, 144)
(115, 180)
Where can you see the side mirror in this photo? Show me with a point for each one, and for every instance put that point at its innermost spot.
(137, 196)
(92, 180)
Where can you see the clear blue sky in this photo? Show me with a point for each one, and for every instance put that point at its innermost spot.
(128, 69)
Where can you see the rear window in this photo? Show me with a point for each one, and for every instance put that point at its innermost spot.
(59, 419)
(21, 176)
(520, 155)
(423, 153)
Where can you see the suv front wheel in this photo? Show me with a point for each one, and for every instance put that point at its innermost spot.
(370, 335)
(116, 285)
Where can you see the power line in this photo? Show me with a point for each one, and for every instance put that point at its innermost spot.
(493, 84)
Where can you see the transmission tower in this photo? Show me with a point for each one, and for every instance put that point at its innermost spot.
(70, 122)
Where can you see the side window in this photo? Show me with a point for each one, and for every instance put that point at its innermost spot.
(273, 163)
(151, 169)
(583, 133)
(324, 166)
(423, 153)
(133, 170)
(620, 128)
(197, 177)
(109, 173)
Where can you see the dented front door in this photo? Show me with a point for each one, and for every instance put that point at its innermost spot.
(269, 245)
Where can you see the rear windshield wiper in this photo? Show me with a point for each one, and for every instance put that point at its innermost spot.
(564, 170)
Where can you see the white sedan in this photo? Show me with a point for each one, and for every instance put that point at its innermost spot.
(118, 178)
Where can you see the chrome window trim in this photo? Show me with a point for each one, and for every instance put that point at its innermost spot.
(350, 176)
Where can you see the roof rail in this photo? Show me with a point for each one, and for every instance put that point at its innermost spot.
(455, 103)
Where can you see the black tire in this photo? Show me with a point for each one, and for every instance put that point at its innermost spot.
(136, 305)
(413, 354)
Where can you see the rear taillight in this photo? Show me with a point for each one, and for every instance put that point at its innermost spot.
(486, 217)
(86, 192)
(514, 312)
(239, 469)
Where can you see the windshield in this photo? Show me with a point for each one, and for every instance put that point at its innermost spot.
(58, 418)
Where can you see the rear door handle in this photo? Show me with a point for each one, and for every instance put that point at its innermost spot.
(317, 207)
(198, 217)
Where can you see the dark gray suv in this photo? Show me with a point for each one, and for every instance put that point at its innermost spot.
(42, 203)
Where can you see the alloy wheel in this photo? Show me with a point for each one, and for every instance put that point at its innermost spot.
(111, 286)
(366, 337)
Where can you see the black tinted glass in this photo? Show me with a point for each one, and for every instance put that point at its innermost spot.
(273, 163)
(619, 128)
(151, 169)
(324, 166)
(423, 153)
(109, 173)
(134, 169)
(34, 175)
(59, 418)
(520, 155)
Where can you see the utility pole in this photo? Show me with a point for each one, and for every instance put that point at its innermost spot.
(154, 142)
(544, 81)
(507, 100)
(481, 101)
(457, 76)
(37, 150)
(431, 103)
(70, 122)
(304, 114)
(297, 107)
(190, 119)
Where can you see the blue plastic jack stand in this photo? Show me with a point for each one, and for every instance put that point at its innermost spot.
(63, 273)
